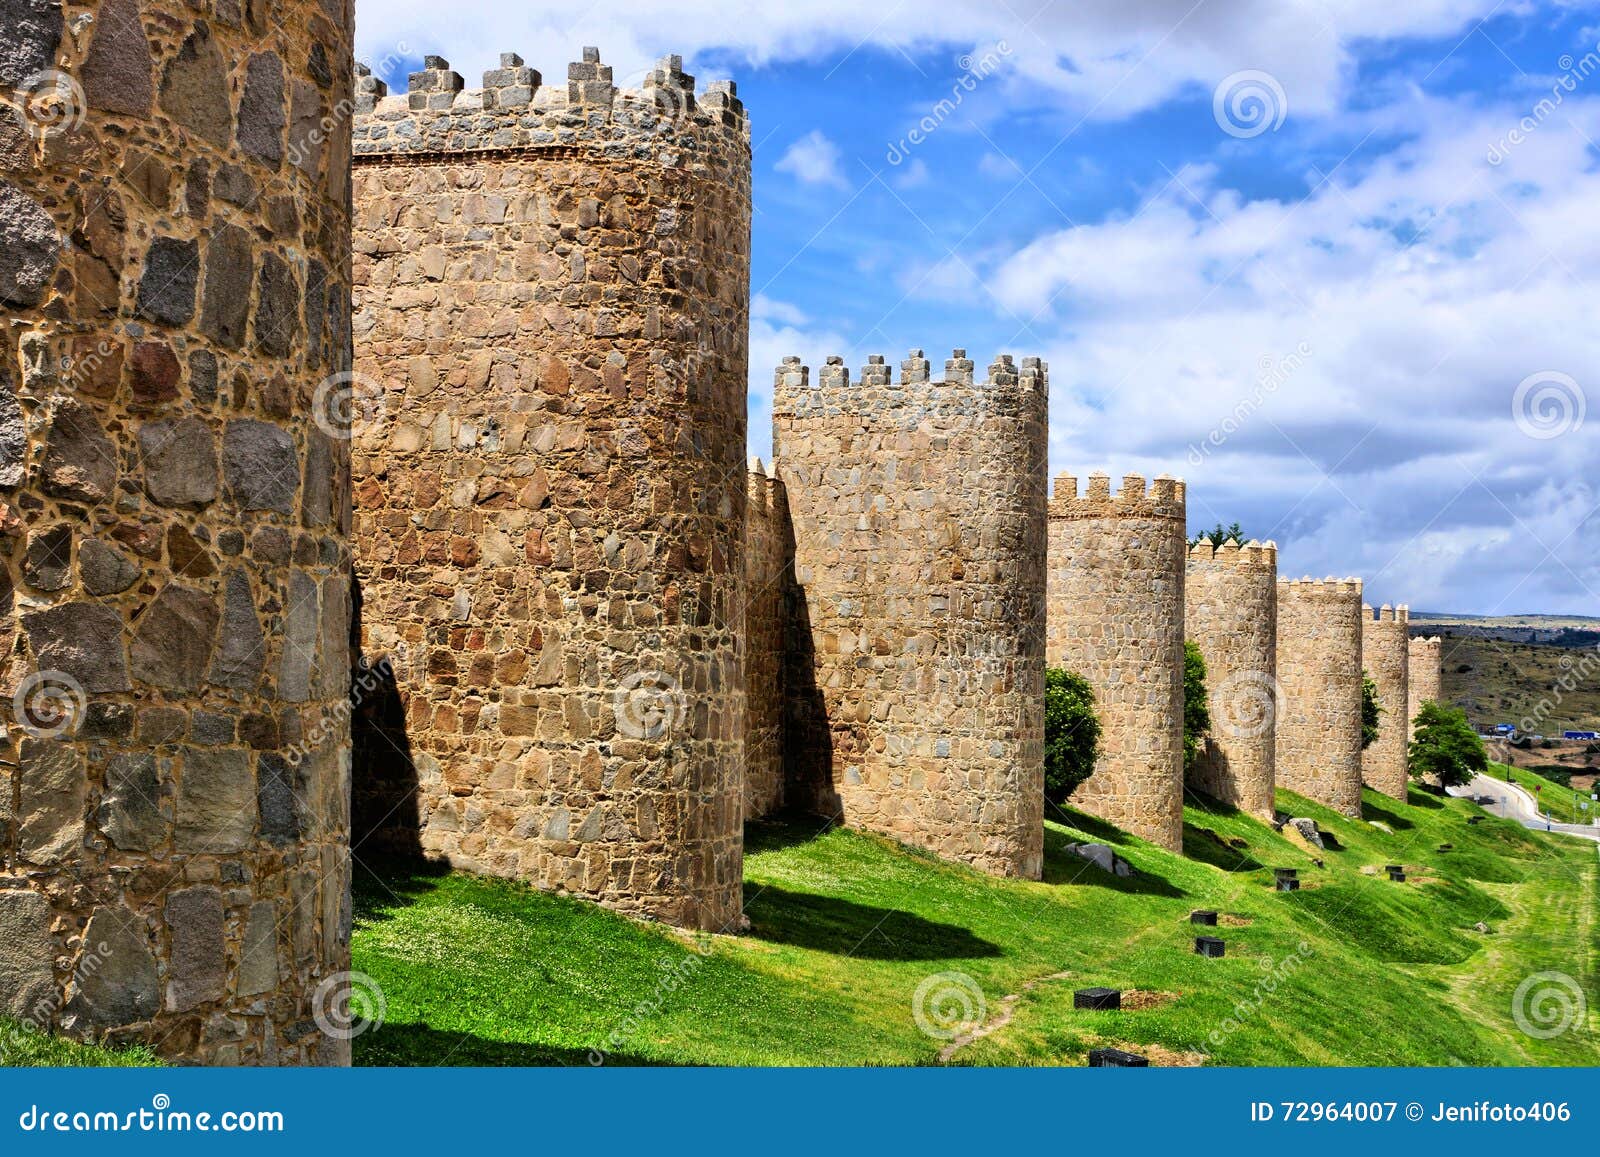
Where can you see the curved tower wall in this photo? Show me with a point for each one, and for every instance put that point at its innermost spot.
(916, 678)
(1231, 611)
(1319, 671)
(1116, 618)
(174, 231)
(553, 286)
(1424, 678)
(1385, 656)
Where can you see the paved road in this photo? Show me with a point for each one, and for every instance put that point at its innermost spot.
(1512, 802)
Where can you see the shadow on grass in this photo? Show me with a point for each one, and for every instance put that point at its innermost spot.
(1420, 796)
(1371, 811)
(843, 927)
(377, 885)
(782, 830)
(1208, 847)
(1062, 867)
(422, 1045)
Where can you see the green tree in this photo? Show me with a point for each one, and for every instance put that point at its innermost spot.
(1071, 733)
(1196, 713)
(1220, 535)
(1370, 710)
(1445, 745)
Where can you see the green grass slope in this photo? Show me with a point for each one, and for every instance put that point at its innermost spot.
(846, 929)
(23, 1047)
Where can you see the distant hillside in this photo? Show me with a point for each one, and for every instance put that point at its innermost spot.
(1553, 686)
(1558, 630)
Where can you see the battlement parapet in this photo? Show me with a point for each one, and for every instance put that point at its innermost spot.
(1162, 497)
(514, 109)
(1252, 555)
(1008, 388)
(1330, 587)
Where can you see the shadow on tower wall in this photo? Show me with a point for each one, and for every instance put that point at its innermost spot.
(385, 817)
(807, 739)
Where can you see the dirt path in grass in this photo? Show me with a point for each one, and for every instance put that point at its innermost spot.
(1008, 1008)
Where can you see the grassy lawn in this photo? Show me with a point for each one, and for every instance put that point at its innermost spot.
(1352, 969)
(22, 1047)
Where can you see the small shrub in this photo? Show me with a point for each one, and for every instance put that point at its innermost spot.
(1370, 710)
(1071, 733)
(1196, 712)
(1445, 745)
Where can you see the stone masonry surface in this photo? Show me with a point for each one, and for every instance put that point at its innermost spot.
(916, 677)
(1116, 618)
(174, 239)
(1231, 611)
(552, 316)
(1319, 670)
(769, 579)
(1424, 675)
(1385, 658)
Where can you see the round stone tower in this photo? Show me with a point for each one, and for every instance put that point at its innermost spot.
(1116, 618)
(173, 265)
(1424, 678)
(1231, 611)
(1385, 657)
(552, 300)
(1319, 672)
(916, 685)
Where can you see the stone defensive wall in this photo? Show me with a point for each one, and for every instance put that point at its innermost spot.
(1231, 611)
(1319, 674)
(552, 290)
(174, 274)
(1424, 677)
(916, 668)
(1385, 656)
(768, 593)
(1116, 599)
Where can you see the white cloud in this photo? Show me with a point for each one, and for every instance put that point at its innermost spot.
(814, 160)
(1107, 58)
(912, 175)
(1355, 355)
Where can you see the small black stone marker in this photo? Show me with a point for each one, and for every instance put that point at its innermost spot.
(1208, 945)
(1288, 884)
(1116, 1059)
(1392, 868)
(1446, 847)
(1203, 916)
(1474, 819)
(1397, 873)
(1290, 873)
(1097, 998)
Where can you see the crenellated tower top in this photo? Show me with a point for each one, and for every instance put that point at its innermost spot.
(1163, 497)
(516, 109)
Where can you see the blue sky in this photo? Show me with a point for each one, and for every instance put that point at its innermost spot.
(1354, 310)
